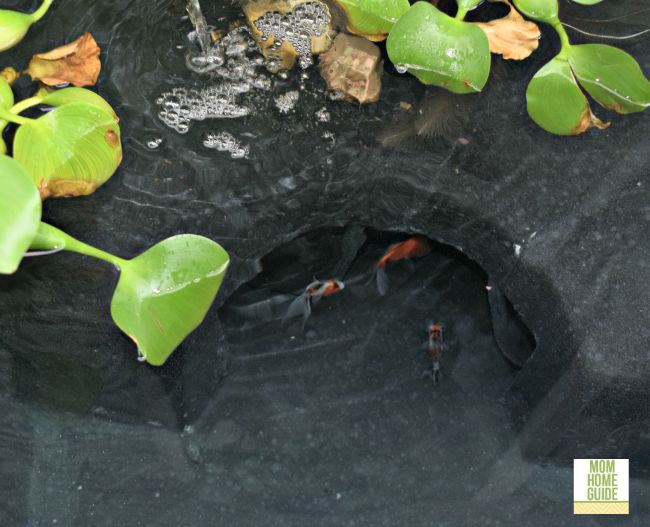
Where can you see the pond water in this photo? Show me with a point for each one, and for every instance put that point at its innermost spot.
(257, 420)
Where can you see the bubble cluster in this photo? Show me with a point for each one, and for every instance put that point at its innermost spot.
(306, 21)
(225, 142)
(238, 73)
(322, 115)
(286, 102)
(154, 143)
(182, 105)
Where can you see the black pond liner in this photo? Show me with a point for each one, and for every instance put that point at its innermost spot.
(89, 436)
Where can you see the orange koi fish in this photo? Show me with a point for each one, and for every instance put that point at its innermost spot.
(318, 289)
(414, 247)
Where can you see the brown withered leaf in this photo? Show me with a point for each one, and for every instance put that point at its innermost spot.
(76, 63)
(511, 36)
(588, 120)
(10, 75)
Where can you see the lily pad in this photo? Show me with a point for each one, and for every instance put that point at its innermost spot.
(542, 10)
(611, 76)
(164, 294)
(440, 50)
(20, 213)
(372, 19)
(71, 150)
(556, 103)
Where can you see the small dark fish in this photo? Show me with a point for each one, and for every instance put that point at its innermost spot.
(435, 347)
(318, 289)
(414, 247)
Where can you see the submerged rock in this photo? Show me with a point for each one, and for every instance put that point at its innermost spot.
(352, 69)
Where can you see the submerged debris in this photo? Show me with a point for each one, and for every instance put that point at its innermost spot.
(226, 142)
(352, 69)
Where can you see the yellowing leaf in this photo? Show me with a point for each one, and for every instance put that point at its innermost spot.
(511, 36)
(76, 63)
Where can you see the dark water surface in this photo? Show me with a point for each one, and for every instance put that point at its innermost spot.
(254, 422)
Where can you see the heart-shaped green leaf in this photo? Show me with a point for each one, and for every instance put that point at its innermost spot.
(71, 150)
(440, 50)
(76, 95)
(556, 103)
(164, 294)
(542, 10)
(611, 76)
(372, 19)
(20, 213)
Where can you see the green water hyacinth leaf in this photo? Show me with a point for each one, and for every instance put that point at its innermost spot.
(20, 213)
(542, 10)
(164, 294)
(6, 94)
(372, 19)
(76, 95)
(556, 103)
(466, 5)
(71, 150)
(440, 50)
(611, 76)
(14, 25)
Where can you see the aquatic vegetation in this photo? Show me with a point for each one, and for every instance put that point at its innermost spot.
(75, 63)
(14, 25)
(70, 150)
(449, 52)
(611, 76)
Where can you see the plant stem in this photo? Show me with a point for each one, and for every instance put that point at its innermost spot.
(24, 104)
(564, 38)
(49, 238)
(461, 14)
(12, 118)
(40, 12)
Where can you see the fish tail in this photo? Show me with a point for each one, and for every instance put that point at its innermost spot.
(298, 307)
(382, 280)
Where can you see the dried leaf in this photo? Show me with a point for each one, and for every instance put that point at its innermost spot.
(511, 36)
(76, 63)
(588, 120)
(10, 75)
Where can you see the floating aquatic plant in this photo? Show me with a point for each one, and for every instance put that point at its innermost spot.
(164, 293)
(611, 76)
(448, 52)
(14, 24)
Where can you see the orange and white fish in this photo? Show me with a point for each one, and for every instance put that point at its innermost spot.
(435, 347)
(318, 289)
(414, 247)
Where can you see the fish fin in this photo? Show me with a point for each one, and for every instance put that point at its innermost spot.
(298, 307)
(382, 281)
(316, 298)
